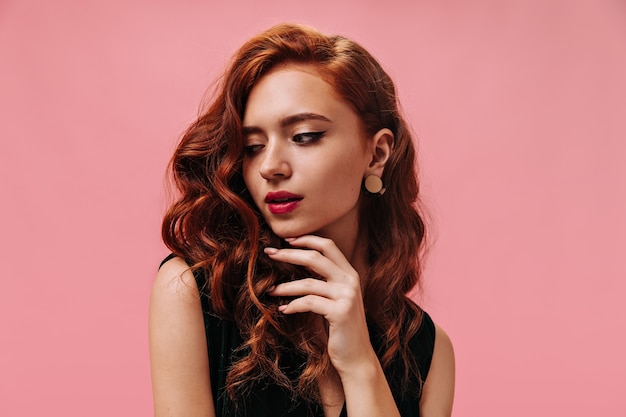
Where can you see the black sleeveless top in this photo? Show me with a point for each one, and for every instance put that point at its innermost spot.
(270, 400)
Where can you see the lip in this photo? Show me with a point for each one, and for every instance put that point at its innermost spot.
(282, 202)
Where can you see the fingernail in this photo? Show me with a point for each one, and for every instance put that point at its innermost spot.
(272, 288)
(270, 251)
(290, 239)
(282, 308)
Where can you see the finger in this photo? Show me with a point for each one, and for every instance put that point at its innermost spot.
(308, 303)
(313, 260)
(303, 287)
(326, 247)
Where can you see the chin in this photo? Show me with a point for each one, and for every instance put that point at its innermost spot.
(284, 231)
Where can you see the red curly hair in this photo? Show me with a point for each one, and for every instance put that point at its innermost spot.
(216, 227)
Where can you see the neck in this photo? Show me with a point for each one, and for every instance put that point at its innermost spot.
(353, 245)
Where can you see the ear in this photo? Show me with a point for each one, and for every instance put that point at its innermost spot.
(381, 146)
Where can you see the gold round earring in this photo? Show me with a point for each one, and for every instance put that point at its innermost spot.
(373, 185)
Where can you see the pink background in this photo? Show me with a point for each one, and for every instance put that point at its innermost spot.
(520, 109)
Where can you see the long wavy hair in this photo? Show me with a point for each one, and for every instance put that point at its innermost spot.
(215, 226)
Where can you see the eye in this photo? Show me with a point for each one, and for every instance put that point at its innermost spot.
(308, 137)
(252, 149)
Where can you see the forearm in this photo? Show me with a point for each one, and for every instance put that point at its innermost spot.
(367, 391)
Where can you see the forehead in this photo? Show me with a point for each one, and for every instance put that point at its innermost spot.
(292, 89)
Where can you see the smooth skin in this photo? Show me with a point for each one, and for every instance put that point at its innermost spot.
(286, 152)
(303, 139)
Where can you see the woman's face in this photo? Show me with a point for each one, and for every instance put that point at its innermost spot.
(305, 155)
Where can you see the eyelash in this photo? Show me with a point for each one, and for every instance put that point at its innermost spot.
(305, 138)
(252, 149)
(313, 137)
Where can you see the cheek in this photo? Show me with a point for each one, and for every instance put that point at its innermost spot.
(344, 178)
(247, 171)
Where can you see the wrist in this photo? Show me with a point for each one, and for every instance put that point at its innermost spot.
(365, 369)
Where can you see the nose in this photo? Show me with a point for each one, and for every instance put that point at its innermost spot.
(274, 163)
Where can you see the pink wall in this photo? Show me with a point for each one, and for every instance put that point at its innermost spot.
(520, 110)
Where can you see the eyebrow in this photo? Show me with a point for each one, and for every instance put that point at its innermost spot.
(288, 121)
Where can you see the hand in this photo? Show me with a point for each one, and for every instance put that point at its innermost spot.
(337, 297)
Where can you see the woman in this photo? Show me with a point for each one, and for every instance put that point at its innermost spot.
(295, 238)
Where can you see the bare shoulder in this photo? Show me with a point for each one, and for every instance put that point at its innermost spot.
(438, 393)
(178, 350)
(175, 279)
